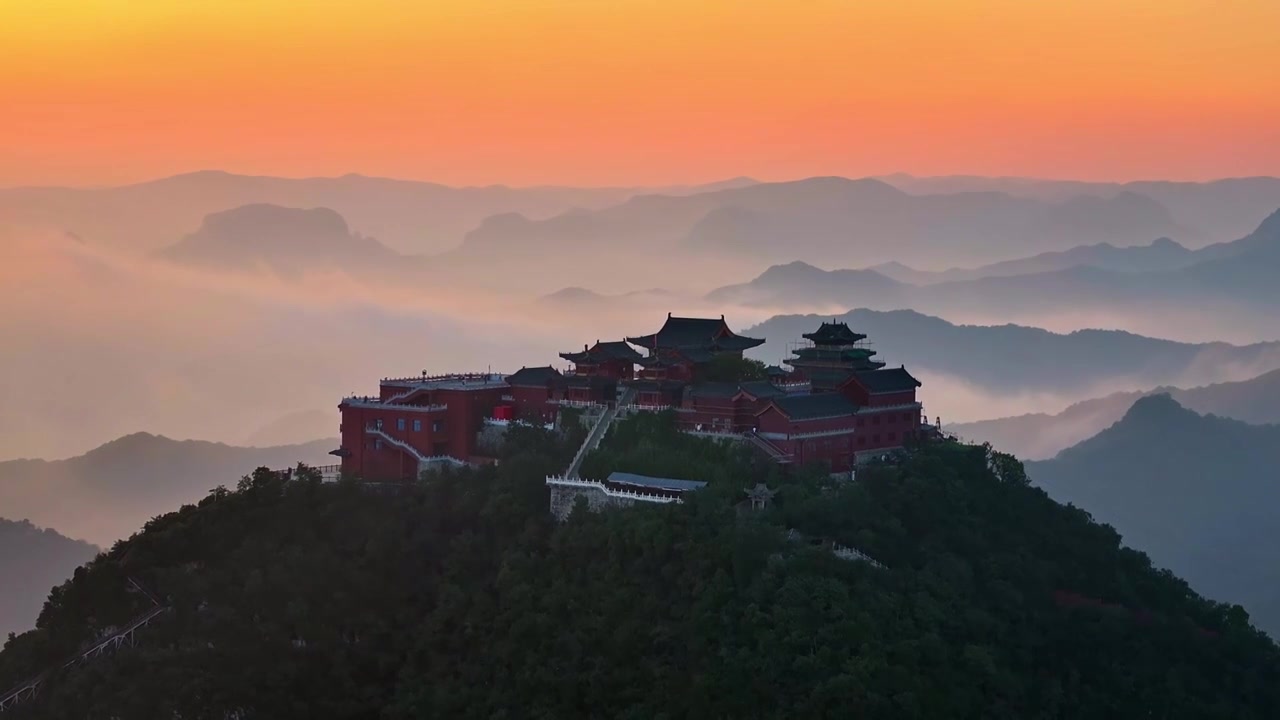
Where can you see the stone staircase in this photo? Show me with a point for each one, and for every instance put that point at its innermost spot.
(773, 451)
(114, 640)
(597, 432)
(424, 461)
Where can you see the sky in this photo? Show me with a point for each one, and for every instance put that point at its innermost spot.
(629, 92)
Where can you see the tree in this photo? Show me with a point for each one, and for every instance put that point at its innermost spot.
(732, 368)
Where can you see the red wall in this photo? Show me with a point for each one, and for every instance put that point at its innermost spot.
(872, 430)
(533, 401)
(456, 434)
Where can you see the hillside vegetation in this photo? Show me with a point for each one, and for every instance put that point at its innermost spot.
(460, 597)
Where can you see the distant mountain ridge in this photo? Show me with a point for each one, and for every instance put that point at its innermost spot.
(1040, 436)
(107, 493)
(409, 216)
(1199, 493)
(285, 240)
(832, 219)
(32, 560)
(1162, 254)
(1225, 208)
(1013, 359)
(1238, 275)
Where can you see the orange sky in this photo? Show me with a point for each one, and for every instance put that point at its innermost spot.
(637, 91)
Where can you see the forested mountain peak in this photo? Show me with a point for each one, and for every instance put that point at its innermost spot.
(459, 596)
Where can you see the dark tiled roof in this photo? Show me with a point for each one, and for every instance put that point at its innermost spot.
(737, 342)
(646, 481)
(696, 333)
(857, 356)
(533, 377)
(812, 407)
(762, 389)
(834, 333)
(602, 351)
(774, 371)
(886, 381)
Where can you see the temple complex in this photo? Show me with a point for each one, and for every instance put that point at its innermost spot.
(837, 406)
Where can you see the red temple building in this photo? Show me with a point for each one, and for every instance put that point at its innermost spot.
(837, 407)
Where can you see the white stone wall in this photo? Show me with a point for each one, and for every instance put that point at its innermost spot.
(564, 498)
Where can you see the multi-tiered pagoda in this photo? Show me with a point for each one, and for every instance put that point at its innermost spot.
(835, 353)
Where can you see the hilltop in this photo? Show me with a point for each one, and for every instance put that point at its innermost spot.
(460, 597)
(1197, 492)
(108, 493)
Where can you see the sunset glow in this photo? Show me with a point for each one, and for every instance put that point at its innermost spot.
(637, 91)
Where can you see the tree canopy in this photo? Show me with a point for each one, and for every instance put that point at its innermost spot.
(459, 596)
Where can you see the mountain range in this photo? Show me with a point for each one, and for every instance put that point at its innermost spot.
(410, 216)
(1039, 436)
(1013, 359)
(834, 220)
(1221, 208)
(32, 560)
(108, 493)
(1233, 279)
(1199, 493)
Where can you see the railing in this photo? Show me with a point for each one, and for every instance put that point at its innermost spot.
(413, 451)
(31, 688)
(642, 407)
(845, 552)
(377, 404)
(612, 492)
(769, 448)
(580, 403)
(499, 422)
(425, 378)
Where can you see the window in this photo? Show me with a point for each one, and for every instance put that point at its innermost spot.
(417, 426)
(400, 423)
(875, 439)
(377, 444)
(377, 424)
(436, 426)
(875, 420)
(893, 436)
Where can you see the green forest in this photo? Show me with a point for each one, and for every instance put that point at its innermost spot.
(459, 597)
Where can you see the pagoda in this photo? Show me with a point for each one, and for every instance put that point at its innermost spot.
(835, 352)
(684, 346)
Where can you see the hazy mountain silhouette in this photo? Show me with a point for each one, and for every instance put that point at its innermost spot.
(109, 492)
(829, 220)
(285, 240)
(1226, 208)
(406, 215)
(33, 560)
(1012, 359)
(1040, 436)
(1162, 254)
(795, 283)
(1200, 494)
(1239, 274)
(295, 428)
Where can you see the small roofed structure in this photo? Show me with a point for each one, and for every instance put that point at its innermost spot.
(760, 496)
(614, 359)
(834, 333)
